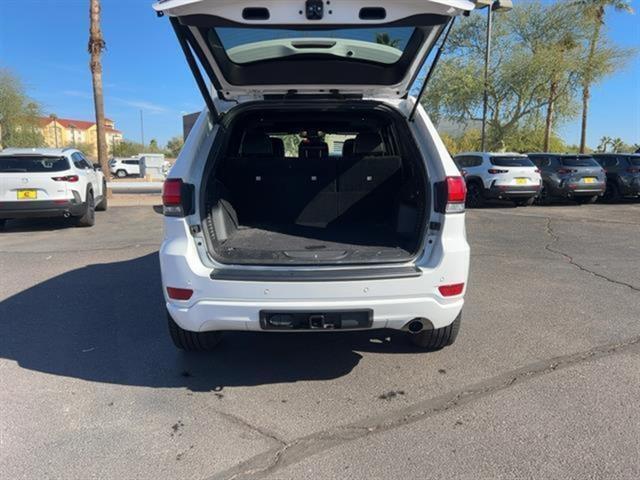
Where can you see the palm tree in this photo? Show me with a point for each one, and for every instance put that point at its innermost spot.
(617, 145)
(594, 11)
(604, 143)
(383, 38)
(96, 46)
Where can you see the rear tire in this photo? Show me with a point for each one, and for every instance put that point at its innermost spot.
(89, 217)
(543, 197)
(525, 202)
(192, 341)
(102, 206)
(612, 193)
(475, 196)
(437, 338)
(121, 173)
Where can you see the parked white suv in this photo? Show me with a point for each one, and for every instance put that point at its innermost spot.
(258, 240)
(502, 176)
(124, 167)
(48, 182)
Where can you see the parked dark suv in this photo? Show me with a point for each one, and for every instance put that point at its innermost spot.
(578, 177)
(623, 174)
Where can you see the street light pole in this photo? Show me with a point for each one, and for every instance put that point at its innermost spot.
(485, 97)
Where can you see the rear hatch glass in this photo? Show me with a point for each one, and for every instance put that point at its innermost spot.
(381, 45)
(635, 161)
(373, 49)
(578, 162)
(32, 164)
(511, 162)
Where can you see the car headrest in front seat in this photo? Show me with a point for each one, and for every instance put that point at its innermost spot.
(369, 143)
(348, 147)
(278, 147)
(256, 144)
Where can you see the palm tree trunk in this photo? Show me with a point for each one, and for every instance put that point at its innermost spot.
(548, 127)
(96, 45)
(586, 95)
(588, 77)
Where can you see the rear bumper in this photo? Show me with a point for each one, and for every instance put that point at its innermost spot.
(41, 208)
(394, 313)
(570, 189)
(630, 186)
(513, 191)
(232, 304)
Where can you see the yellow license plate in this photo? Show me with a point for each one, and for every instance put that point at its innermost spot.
(589, 180)
(521, 181)
(27, 194)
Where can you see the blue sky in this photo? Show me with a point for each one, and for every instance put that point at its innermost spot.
(44, 42)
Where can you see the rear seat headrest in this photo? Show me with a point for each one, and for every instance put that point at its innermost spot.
(278, 147)
(256, 144)
(348, 147)
(315, 149)
(369, 143)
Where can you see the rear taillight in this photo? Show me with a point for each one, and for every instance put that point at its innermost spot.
(456, 195)
(494, 171)
(564, 171)
(537, 170)
(173, 197)
(451, 290)
(66, 178)
(633, 170)
(179, 293)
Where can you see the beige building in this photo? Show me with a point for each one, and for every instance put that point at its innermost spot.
(65, 132)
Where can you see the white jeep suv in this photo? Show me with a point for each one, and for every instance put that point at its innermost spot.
(50, 182)
(124, 167)
(265, 230)
(500, 176)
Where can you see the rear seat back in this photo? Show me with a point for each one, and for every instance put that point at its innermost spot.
(260, 177)
(315, 190)
(368, 181)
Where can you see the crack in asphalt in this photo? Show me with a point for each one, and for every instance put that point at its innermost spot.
(244, 423)
(302, 448)
(565, 219)
(555, 238)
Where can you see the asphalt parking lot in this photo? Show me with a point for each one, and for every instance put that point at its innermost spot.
(543, 381)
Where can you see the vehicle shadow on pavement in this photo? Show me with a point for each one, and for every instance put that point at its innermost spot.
(37, 225)
(107, 323)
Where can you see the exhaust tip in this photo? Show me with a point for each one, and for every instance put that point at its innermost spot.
(416, 325)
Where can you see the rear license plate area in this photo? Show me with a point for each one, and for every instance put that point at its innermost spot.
(313, 320)
(27, 194)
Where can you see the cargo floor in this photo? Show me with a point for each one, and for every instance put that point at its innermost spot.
(294, 244)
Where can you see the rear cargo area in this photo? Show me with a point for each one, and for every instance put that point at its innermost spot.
(314, 188)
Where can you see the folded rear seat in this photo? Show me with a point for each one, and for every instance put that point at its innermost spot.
(369, 181)
(260, 180)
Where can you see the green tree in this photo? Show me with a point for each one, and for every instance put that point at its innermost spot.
(553, 39)
(153, 146)
(518, 87)
(594, 12)
(127, 148)
(174, 146)
(18, 114)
